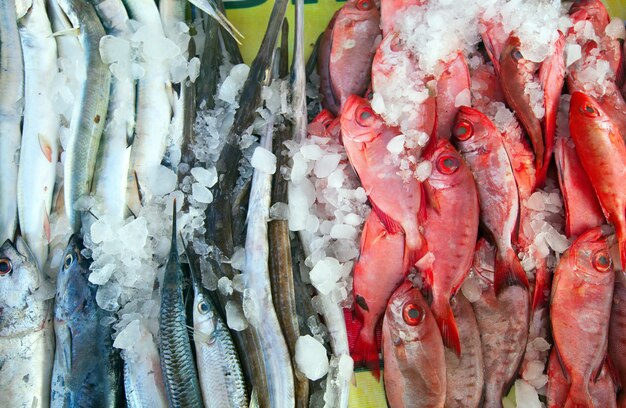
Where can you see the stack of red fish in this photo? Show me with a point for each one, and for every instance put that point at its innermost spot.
(430, 197)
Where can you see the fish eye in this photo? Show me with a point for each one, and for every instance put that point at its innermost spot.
(516, 54)
(203, 308)
(412, 314)
(364, 5)
(448, 164)
(588, 110)
(463, 130)
(364, 116)
(601, 261)
(6, 266)
(69, 259)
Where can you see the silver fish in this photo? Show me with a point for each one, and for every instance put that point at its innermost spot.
(154, 110)
(179, 371)
(26, 332)
(258, 303)
(111, 177)
(87, 369)
(90, 109)
(143, 378)
(40, 146)
(11, 106)
(221, 377)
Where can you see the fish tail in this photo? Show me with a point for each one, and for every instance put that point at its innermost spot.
(447, 324)
(366, 351)
(414, 249)
(542, 287)
(578, 395)
(509, 271)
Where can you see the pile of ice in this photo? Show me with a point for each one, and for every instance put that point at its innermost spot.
(328, 205)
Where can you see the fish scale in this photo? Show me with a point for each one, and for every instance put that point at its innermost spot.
(179, 371)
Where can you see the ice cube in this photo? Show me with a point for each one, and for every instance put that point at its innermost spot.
(160, 180)
(201, 194)
(573, 53)
(471, 289)
(423, 170)
(279, 211)
(346, 367)
(113, 49)
(343, 231)
(193, 69)
(263, 160)
(225, 286)
(311, 357)
(238, 259)
(325, 274)
(311, 152)
(206, 177)
(234, 316)
(463, 98)
(128, 337)
(100, 276)
(107, 296)
(134, 234)
(615, 29)
(526, 395)
(326, 165)
(396, 145)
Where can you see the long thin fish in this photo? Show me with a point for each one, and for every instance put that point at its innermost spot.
(221, 378)
(143, 378)
(90, 110)
(179, 370)
(281, 271)
(39, 150)
(110, 179)
(258, 296)
(26, 332)
(154, 110)
(11, 106)
(87, 369)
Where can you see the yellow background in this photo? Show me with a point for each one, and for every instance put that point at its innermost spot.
(252, 22)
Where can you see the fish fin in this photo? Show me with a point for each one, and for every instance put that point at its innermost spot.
(508, 272)
(542, 287)
(578, 395)
(391, 225)
(45, 147)
(366, 351)
(254, 399)
(430, 198)
(561, 364)
(46, 224)
(73, 32)
(422, 213)
(447, 325)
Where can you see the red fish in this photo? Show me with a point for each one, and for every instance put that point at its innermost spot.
(396, 201)
(377, 274)
(354, 36)
(391, 11)
(415, 367)
(320, 123)
(451, 194)
(551, 77)
(485, 87)
(617, 332)
(515, 72)
(602, 389)
(453, 84)
(582, 209)
(481, 145)
(464, 375)
(401, 86)
(580, 308)
(494, 37)
(602, 153)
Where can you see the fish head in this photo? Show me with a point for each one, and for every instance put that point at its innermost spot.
(406, 314)
(471, 129)
(586, 112)
(448, 167)
(591, 258)
(359, 122)
(19, 279)
(592, 10)
(73, 286)
(358, 10)
(204, 317)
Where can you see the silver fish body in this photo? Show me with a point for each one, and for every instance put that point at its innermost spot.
(143, 378)
(39, 148)
(221, 377)
(111, 176)
(11, 106)
(26, 332)
(90, 110)
(179, 371)
(87, 369)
